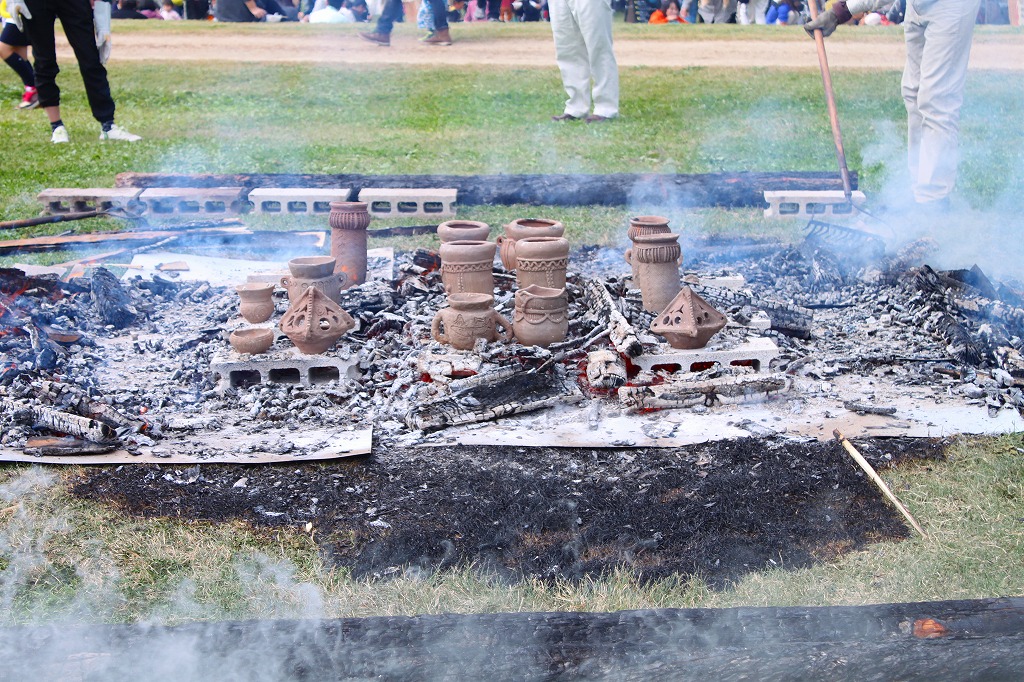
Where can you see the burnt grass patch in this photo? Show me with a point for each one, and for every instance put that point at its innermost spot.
(716, 510)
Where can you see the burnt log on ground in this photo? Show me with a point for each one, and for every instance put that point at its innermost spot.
(951, 640)
(612, 189)
(111, 300)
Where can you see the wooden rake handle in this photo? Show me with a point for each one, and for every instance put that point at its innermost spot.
(830, 98)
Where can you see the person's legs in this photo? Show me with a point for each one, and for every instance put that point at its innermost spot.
(938, 47)
(76, 18)
(571, 56)
(439, 10)
(14, 51)
(39, 30)
(595, 22)
(386, 21)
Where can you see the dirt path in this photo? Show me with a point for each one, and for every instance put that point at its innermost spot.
(1001, 52)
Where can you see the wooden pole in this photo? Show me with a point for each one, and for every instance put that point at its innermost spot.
(873, 475)
(830, 98)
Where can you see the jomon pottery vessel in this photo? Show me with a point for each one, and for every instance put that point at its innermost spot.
(689, 321)
(642, 226)
(314, 322)
(542, 261)
(521, 229)
(251, 341)
(468, 267)
(657, 258)
(463, 230)
(315, 272)
(348, 221)
(257, 301)
(541, 317)
(467, 318)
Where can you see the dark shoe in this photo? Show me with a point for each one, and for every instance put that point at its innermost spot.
(594, 118)
(382, 39)
(439, 37)
(565, 117)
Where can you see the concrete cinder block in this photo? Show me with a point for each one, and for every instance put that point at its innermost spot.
(282, 368)
(178, 201)
(756, 353)
(70, 200)
(296, 200)
(389, 203)
(811, 203)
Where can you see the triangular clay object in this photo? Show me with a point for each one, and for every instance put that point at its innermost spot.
(688, 321)
(314, 322)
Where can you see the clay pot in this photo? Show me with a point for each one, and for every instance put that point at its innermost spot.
(463, 230)
(251, 341)
(331, 286)
(642, 226)
(657, 258)
(467, 318)
(311, 267)
(541, 261)
(468, 267)
(541, 317)
(314, 322)
(349, 220)
(257, 301)
(688, 321)
(521, 229)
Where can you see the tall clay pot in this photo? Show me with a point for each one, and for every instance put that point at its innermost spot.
(257, 302)
(657, 258)
(314, 322)
(313, 272)
(541, 317)
(463, 230)
(467, 318)
(349, 220)
(468, 267)
(541, 261)
(521, 229)
(642, 226)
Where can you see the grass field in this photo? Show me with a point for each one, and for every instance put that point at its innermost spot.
(63, 558)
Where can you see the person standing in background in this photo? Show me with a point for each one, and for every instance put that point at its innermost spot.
(89, 38)
(938, 35)
(583, 49)
(393, 11)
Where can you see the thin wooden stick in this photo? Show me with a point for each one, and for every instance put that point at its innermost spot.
(873, 475)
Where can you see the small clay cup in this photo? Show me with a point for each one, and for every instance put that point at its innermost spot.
(463, 230)
(257, 301)
(251, 341)
(541, 261)
(311, 267)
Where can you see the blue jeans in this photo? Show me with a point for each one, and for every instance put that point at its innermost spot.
(393, 10)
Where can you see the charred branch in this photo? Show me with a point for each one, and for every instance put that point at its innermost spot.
(620, 331)
(112, 302)
(689, 393)
(40, 416)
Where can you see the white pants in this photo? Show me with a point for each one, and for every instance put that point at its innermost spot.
(938, 35)
(756, 7)
(583, 50)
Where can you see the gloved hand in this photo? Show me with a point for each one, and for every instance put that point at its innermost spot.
(829, 19)
(17, 10)
(101, 25)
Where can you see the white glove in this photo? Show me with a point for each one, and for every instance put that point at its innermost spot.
(517, 5)
(101, 25)
(17, 10)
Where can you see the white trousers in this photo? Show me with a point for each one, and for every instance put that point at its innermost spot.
(938, 35)
(756, 7)
(583, 50)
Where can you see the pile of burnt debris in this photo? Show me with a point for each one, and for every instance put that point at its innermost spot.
(120, 363)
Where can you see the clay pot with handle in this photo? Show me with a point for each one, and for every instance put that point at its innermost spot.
(467, 318)
(657, 258)
(468, 267)
(542, 261)
(541, 317)
(257, 301)
(521, 229)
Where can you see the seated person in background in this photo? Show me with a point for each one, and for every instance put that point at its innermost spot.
(359, 9)
(668, 14)
(247, 10)
(334, 13)
(148, 9)
(168, 13)
(127, 9)
(712, 11)
(528, 10)
(783, 12)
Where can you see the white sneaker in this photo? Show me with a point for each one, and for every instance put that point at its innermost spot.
(116, 133)
(60, 135)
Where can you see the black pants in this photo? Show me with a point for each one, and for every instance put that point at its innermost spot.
(76, 18)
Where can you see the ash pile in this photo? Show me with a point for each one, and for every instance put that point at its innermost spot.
(144, 365)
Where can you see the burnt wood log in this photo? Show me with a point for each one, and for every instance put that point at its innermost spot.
(952, 640)
(620, 331)
(676, 394)
(65, 446)
(613, 189)
(40, 416)
(70, 397)
(111, 300)
(493, 395)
